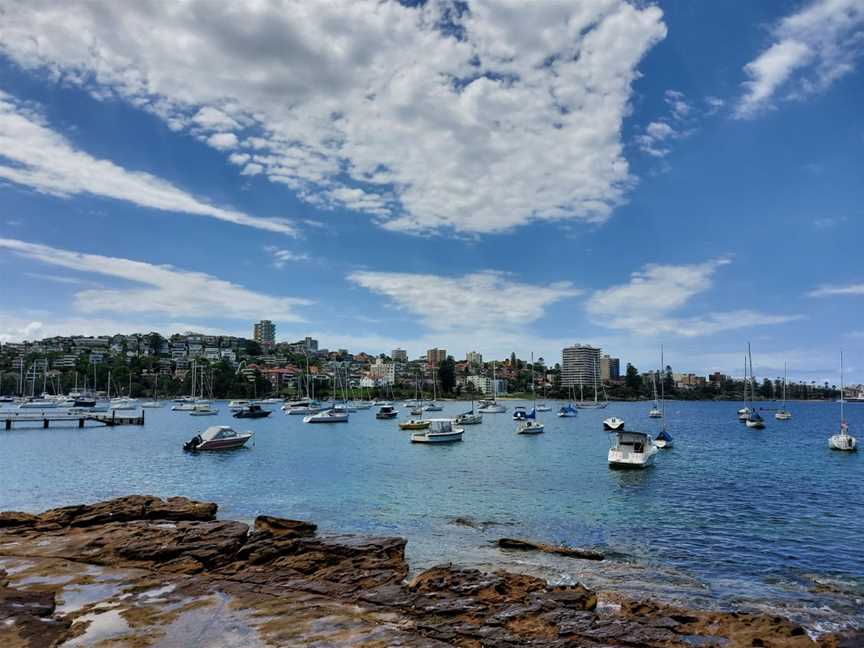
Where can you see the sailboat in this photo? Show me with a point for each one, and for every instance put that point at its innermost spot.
(492, 406)
(470, 417)
(744, 412)
(754, 420)
(155, 402)
(542, 406)
(655, 411)
(783, 414)
(433, 406)
(596, 404)
(529, 424)
(568, 410)
(843, 440)
(664, 439)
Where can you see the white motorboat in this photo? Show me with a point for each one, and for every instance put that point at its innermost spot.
(152, 404)
(386, 412)
(631, 450)
(491, 407)
(439, 431)
(362, 405)
(39, 404)
(654, 413)
(519, 413)
(783, 414)
(529, 426)
(843, 441)
(327, 416)
(386, 403)
(203, 410)
(543, 407)
(311, 407)
(433, 407)
(270, 401)
(613, 424)
(743, 413)
(217, 437)
(236, 405)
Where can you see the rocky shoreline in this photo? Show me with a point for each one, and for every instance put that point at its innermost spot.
(143, 571)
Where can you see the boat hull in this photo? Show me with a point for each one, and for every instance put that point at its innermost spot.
(449, 437)
(843, 443)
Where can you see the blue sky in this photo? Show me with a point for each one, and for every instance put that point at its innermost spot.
(509, 177)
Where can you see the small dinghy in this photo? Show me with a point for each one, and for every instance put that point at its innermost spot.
(386, 412)
(217, 437)
(613, 424)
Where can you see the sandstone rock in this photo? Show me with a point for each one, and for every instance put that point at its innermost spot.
(16, 518)
(284, 527)
(571, 552)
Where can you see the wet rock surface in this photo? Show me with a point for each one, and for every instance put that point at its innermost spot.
(570, 552)
(142, 571)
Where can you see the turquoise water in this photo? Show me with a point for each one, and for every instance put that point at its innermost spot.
(766, 519)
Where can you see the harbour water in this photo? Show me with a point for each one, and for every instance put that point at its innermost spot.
(769, 520)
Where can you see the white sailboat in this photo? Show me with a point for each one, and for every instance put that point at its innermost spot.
(664, 439)
(744, 412)
(843, 441)
(492, 406)
(596, 404)
(433, 406)
(754, 420)
(155, 402)
(529, 423)
(655, 411)
(783, 414)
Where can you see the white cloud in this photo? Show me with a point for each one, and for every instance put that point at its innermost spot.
(441, 119)
(282, 257)
(645, 305)
(33, 155)
(831, 291)
(810, 50)
(167, 290)
(656, 138)
(15, 328)
(223, 141)
(479, 300)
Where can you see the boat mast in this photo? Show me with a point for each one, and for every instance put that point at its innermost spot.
(842, 390)
(784, 385)
(662, 394)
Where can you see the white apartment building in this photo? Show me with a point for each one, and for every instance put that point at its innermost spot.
(580, 364)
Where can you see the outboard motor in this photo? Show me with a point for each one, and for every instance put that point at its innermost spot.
(192, 445)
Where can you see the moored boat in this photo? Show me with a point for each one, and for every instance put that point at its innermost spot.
(439, 431)
(631, 450)
(415, 424)
(843, 441)
(613, 424)
(203, 410)
(252, 411)
(567, 411)
(217, 437)
(327, 416)
(530, 426)
(386, 412)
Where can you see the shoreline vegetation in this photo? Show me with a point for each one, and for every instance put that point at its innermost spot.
(140, 570)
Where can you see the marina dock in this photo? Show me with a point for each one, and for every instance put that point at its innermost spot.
(46, 418)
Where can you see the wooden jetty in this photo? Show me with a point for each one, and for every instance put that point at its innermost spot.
(46, 418)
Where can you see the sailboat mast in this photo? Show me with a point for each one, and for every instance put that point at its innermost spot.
(662, 392)
(842, 390)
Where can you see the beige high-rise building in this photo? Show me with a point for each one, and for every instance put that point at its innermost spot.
(580, 364)
(435, 356)
(264, 334)
(474, 358)
(610, 368)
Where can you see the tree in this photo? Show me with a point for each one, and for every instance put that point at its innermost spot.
(632, 379)
(447, 374)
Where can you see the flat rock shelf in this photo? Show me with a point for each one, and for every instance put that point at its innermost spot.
(145, 571)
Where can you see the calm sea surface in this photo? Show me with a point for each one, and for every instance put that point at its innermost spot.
(770, 519)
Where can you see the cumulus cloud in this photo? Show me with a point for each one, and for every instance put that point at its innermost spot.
(656, 138)
(33, 155)
(161, 288)
(481, 300)
(832, 291)
(430, 117)
(810, 50)
(645, 305)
